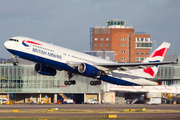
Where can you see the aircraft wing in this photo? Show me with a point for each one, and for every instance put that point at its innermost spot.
(131, 66)
(122, 66)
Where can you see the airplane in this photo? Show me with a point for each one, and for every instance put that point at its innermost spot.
(49, 58)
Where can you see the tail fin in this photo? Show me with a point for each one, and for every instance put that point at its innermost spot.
(157, 56)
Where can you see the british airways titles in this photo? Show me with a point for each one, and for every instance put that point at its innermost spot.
(46, 53)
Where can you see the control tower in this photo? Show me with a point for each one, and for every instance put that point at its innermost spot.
(128, 45)
(116, 23)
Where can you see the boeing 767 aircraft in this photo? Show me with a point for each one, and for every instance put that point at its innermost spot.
(49, 58)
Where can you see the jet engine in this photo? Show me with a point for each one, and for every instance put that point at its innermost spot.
(45, 70)
(87, 69)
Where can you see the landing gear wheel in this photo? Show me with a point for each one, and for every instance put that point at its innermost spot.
(15, 63)
(99, 82)
(69, 82)
(95, 82)
(66, 82)
(92, 83)
(73, 82)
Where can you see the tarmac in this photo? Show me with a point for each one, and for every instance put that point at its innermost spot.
(154, 115)
(91, 106)
(94, 106)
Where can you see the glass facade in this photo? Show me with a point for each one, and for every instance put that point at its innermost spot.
(144, 45)
(115, 22)
(23, 79)
(169, 72)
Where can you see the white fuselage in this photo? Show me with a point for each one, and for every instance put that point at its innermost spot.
(59, 58)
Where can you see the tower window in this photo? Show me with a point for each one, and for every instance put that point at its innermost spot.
(122, 59)
(123, 39)
(141, 59)
(107, 44)
(107, 39)
(137, 58)
(102, 44)
(96, 39)
(123, 45)
(137, 39)
(146, 39)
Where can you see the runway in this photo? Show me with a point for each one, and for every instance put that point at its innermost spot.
(93, 106)
(154, 115)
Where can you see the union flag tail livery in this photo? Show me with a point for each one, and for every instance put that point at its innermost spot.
(157, 56)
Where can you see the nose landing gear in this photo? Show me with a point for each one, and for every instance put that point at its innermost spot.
(15, 62)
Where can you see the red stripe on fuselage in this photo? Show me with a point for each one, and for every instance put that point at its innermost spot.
(31, 42)
(162, 52)
(149, 71)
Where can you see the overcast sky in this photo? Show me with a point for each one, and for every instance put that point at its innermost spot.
(67, 22)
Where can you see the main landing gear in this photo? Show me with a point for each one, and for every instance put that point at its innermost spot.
(70, 82)
(15, 62)
(98, 82)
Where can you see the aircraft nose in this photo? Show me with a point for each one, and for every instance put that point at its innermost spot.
(6, 44)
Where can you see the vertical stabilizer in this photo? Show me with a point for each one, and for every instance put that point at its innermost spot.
(157, 56)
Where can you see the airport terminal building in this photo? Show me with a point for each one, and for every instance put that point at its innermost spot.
(21, 83)
(25, 83)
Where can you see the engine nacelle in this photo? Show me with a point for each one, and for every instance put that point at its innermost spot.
(87, 69)
(45, 70)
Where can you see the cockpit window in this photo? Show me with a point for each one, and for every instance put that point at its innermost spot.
(14, 40)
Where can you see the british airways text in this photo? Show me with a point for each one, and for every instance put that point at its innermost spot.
(46, 53)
